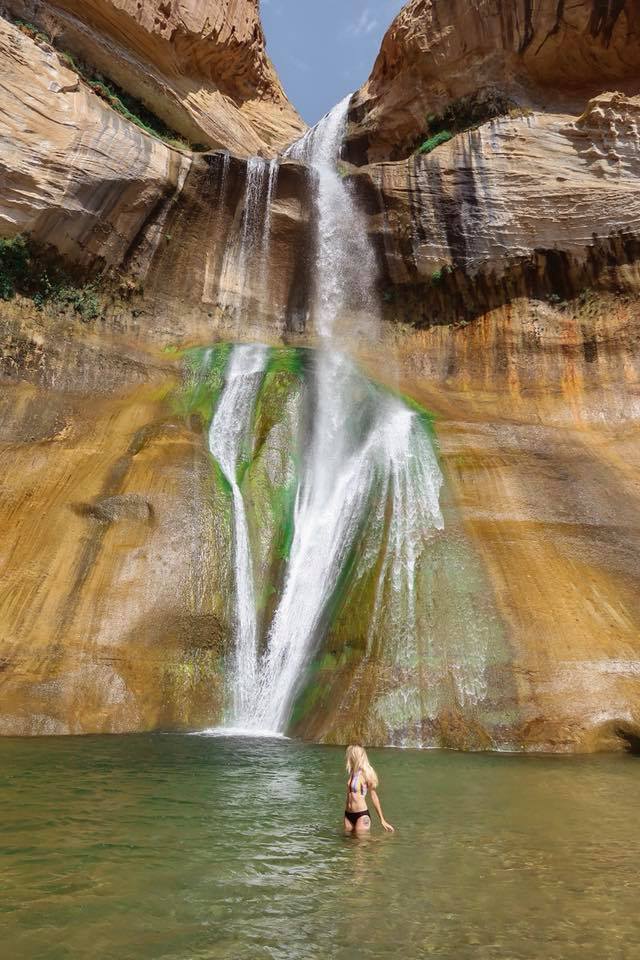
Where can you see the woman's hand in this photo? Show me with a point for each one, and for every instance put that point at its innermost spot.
(376, 804)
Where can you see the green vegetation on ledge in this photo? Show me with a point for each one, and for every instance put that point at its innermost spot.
(27, 272)
(118, 99)
(464, 114)
(443, 137)
(438, 276)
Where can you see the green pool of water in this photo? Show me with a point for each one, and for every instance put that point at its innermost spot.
(153, 847)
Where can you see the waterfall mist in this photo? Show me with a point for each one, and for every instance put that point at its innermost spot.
(369, 481)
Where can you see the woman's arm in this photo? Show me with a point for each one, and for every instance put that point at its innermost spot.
(378, 809)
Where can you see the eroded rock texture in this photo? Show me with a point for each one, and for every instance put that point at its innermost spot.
(509, 285)
(200, 65)
(74, 173)
(438, 51)
(541, 204)
(111, 619)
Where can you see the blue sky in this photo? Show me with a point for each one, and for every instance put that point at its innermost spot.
(324, 49)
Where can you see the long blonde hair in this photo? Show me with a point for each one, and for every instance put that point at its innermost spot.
(357, 759)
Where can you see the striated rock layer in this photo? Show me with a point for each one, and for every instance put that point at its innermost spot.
(102, 192)
(199, 65)
(510, 291)
(532, 205)
(74, 173)
(438, 51)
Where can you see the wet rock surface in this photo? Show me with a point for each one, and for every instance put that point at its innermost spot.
(116, 509)
(509, 288)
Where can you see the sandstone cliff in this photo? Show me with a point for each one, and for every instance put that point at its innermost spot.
(83, 179)
(530, 205)
(439, 51)
(499, 152)
(75, 174)
(509, 284)
(199, 65)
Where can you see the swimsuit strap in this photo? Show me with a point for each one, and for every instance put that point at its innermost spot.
(354, 784)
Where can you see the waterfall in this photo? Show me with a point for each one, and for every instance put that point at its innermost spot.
(369, 482)
(272, 182)
(230, 444)
(355, 437)
(346, 270)
(249, 245)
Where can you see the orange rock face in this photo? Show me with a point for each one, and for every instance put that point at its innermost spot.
(200, 65)
(511, 297)
(76, 175)
(437, 51)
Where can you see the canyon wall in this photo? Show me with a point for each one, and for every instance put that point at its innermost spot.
(509, 286)
(439, 51)
(75, 174)
(200, 66)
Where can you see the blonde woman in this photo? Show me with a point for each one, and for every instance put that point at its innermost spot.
(362, 779)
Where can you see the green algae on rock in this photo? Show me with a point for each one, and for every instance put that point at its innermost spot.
(375, 667)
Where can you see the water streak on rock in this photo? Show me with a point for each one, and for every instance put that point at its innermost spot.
(230, 443)
(246, 261)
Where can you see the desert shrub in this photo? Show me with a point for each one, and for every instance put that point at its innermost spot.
(14, 265)
(466, 113)
(32, 274)
(32, 31)
(439, 275)
(435, 141)
(131, 109)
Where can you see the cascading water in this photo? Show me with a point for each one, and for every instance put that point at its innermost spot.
(210, 280)
(249, 245)
(368, 458)
(344, 303)
(334, 508)
(229, 442)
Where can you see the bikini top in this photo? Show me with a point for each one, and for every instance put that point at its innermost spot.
(357, 784)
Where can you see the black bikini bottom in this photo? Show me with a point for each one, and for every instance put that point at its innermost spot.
(354, 817)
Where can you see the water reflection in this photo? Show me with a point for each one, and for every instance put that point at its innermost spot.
(175, 847)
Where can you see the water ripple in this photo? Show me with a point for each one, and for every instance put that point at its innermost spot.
(167, 848)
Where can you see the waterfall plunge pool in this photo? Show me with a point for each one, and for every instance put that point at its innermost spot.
(174, 847)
